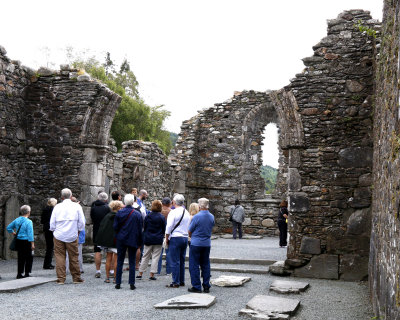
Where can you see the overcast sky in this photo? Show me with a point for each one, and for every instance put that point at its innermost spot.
(186, 55)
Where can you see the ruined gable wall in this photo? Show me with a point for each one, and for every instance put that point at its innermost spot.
(384, 266)
(13, 79)
(330, 174)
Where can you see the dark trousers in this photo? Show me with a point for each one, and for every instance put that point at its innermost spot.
(199, 258)
(25, 258)
(282, 225)
(238, 226)
(48, 235)
(177, 254)
(121, 252)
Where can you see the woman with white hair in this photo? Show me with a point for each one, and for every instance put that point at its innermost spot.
(176, 236)
(48, 235)
(128, 224)
(22, 228)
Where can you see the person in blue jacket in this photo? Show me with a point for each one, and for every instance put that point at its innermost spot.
(25, 241)
(128, 224)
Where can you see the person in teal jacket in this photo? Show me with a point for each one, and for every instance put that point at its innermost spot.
(25, 240)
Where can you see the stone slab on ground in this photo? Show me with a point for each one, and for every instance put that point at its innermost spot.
(282, 286)
(230, 281)
(187, 301)
(269, 307)
(23, 284)
(278, 269)
(245, 236)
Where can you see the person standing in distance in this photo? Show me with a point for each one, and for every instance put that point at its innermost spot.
(237, 218)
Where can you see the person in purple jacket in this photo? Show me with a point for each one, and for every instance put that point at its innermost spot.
(128, 224)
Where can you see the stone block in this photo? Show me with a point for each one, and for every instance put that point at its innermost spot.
(310, 245)
(90, 155)
(247, 222)
(269, 223)
(269, 305)
(355, 157)
(294, 180)
(282, 286)
(187, 301)
(353, 267)
(230, 281)
(324, 266)
(23, 284)
(298, 202)
(88, 173)
(278, 268)
(359, 222)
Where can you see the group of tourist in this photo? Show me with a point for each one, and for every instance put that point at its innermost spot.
(119, 227)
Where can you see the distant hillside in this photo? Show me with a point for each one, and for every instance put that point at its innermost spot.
(269, 175)
(173, 136)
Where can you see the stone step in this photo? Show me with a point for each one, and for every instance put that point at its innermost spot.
(23, 284)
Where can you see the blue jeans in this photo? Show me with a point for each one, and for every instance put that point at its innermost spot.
(177, 253)
(199, 258)
(121, 251)
(167, 263)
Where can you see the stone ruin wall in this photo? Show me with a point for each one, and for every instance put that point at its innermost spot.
(54, 133)
(325, 122)
(384, 263)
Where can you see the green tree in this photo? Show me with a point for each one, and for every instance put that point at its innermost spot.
(134, 119)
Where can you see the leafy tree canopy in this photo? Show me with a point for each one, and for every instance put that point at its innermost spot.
(134, 119)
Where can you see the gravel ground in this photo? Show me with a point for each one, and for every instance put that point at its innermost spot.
(95, 299)
(266, 248)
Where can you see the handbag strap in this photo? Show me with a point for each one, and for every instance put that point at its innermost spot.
(123, 223)
(177, 225)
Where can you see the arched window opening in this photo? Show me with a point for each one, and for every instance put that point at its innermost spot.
(270, 156)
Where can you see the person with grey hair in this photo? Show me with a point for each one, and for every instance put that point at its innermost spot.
(128, 224)
(22, 228)
(67, 221)
(48, 235)
(237, 218)
(98, 211)
(176, 236)
(200, 230)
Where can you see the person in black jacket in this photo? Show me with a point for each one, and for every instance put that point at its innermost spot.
(153, 236)
(48, 235)
(98, 211)
(282, 223)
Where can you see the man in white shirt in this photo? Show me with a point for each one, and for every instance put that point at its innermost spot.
(176, 235)
(67, 220)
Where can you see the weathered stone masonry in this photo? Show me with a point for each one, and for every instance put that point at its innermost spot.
(325, 121)
(384, 263)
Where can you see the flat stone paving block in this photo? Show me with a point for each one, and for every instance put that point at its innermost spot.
(23, 284)
(282, 286)
(230, 281)
(187, 301)
(270, 304)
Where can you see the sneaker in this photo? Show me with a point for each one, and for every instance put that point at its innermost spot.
(194, 290)
(98, 275)
(48, 267)
(78, 281)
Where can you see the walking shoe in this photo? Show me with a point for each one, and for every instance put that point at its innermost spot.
(78, 281)
(20, 276)
(182, 284)
(206, 290)
(194, 290)
(48, 267)
(152, 278)
(133, 287)
(117, 286)
(59, 282)
(139, 277)
(172, 285)
(98, 275)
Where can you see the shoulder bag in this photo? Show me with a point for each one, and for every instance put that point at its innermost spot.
(230, 218)
(165, 245)
(13, 244)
